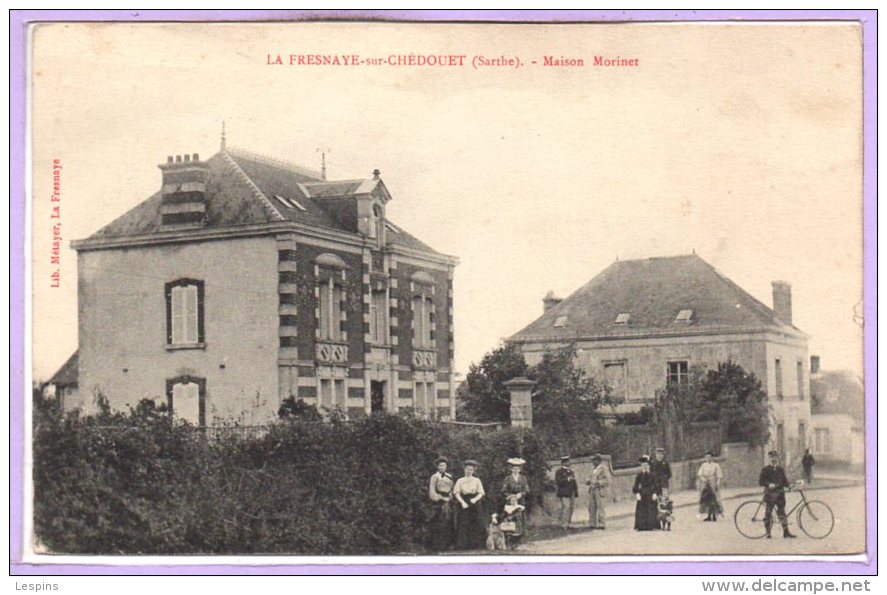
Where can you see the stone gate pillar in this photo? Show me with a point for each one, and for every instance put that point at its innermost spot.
(520, 389)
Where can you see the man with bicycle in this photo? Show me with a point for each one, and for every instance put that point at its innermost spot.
(775, 483)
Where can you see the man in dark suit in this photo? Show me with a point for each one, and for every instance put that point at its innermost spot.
(660, 469)
(807, 462)
(567, 490)
(774, 482)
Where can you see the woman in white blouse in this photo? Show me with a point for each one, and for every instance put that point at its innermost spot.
(471, 532)
(710, 475)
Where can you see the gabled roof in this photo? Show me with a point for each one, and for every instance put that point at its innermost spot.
(653, 292)
(67, 374)
(241, 190)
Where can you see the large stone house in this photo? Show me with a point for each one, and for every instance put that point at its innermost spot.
(245, 280)
(640, 324)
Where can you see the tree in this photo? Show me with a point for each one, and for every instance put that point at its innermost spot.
(563, 390)
(485, 398)
(674, 407)
(567, 403)
(735, 397)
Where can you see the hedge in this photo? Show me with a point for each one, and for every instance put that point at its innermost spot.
(138, 483)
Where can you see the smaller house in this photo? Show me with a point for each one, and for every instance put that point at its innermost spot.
(63, 385)
(837, 421)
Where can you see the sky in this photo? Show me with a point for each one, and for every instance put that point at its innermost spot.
(741, 142)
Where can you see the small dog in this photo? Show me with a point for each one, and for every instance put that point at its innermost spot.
(665, 514)
(495, 537)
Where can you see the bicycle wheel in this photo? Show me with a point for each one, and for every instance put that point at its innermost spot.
(816, 519)
(749, 519)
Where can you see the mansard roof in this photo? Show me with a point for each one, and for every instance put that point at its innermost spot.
(244, 188)
(656, 293)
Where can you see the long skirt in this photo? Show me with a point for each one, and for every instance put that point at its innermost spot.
(471, 531)
(709, 502)
(441, 528)
(646, 515)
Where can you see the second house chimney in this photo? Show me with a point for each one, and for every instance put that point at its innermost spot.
(814, 364)
(549, 301)
(782, 301)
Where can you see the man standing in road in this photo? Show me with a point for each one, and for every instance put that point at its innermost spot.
(660, 469)
(598, 490)
(567, 491)
(807, 462)
(774, 482)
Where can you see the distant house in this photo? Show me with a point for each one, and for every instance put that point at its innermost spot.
(245, 280)
(63, 385)
(640, 324)
(837, 406)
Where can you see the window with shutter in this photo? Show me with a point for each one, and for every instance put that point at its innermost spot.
(186, 399)
(184, 313)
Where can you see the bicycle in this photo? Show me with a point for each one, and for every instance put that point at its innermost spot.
(814, 517)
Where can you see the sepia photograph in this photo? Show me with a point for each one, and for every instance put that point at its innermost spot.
(442, 291)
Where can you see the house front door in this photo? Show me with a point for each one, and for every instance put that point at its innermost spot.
(377, 397)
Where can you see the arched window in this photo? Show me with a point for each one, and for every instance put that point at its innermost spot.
(379, 317)
(422, 285)
(330, 269)
(330, 310)
(184, 313)
(186, 398)
(378, 227)
(422, 321)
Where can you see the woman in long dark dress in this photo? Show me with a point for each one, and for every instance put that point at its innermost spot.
(471, 531)
(441, 529)
(647, 489)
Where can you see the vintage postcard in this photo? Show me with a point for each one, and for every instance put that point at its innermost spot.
(437, 291)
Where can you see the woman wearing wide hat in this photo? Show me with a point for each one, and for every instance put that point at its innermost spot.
(471, 531)
(515, 490)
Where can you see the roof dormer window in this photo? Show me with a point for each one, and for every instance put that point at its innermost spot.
(283, 201)
(684, 316)
(560, 321)
(622, 318)
(289, 203)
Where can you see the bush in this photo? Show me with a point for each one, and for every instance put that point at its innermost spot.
(138, 483)
(293, 409)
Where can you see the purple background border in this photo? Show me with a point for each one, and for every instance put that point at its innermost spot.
(18, 23)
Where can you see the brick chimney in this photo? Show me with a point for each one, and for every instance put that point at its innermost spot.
(549, 301)
(184, 191)
(782, 301)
